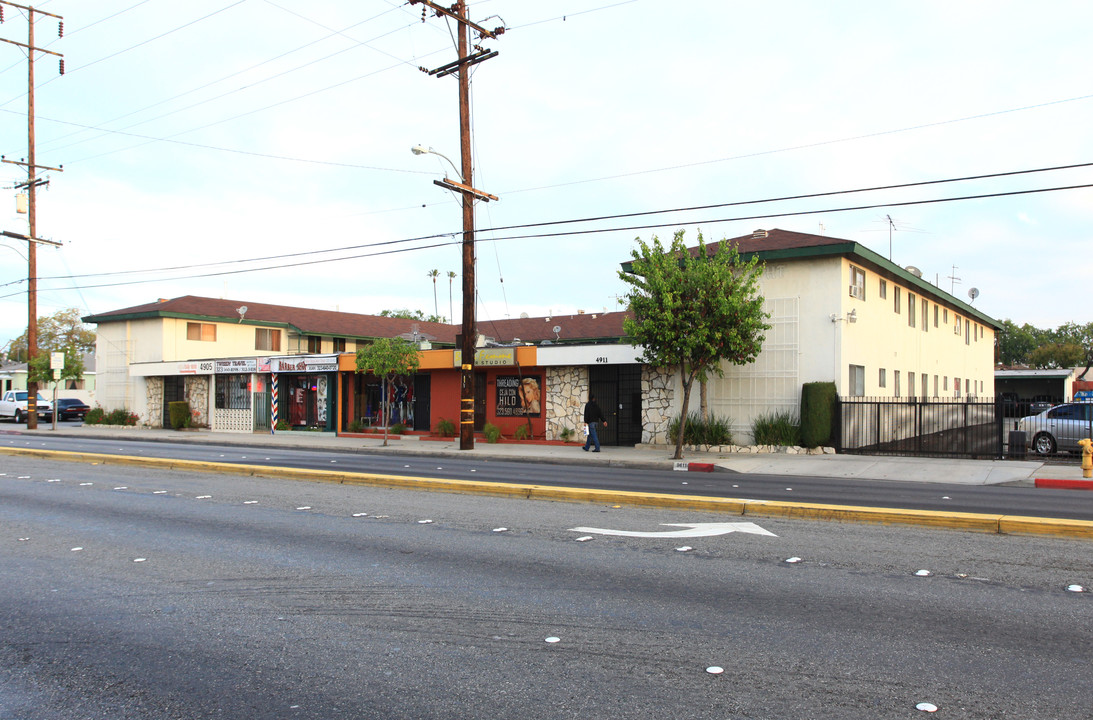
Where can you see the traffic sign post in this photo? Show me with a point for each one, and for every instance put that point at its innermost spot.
(56, 364)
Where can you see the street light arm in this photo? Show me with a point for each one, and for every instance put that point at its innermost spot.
(422, 150)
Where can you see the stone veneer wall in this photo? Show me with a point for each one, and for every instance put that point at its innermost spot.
(657, 394)
(153, 389)
(567, 387)
(197, 394)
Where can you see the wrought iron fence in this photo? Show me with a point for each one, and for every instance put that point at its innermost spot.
(934, 427)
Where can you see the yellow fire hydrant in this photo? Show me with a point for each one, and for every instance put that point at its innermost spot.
(1087, 457)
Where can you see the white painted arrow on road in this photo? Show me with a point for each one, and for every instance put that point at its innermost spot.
(692, 530)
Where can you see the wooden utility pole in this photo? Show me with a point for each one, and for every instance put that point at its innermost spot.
(32, 186)
(461, 67)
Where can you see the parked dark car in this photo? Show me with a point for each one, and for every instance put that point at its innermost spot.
(71, 409)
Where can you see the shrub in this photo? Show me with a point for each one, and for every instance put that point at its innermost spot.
(492, 433)
(780, 428)
(714, 431)
(522, 432)
(282, 426)
(445, 428)
(356, 426)
(398, 429)
(179, 412)
(567, 434)
(98, 416)
(817, 413)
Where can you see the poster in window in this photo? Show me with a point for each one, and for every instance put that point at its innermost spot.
(519, 397)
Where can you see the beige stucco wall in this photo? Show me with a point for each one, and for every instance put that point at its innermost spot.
(805, 344)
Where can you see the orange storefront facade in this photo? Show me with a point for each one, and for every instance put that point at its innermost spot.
(510, 390)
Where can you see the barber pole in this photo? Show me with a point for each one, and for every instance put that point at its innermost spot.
(273, 406)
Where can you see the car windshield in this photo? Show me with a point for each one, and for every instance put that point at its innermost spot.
(22, 396)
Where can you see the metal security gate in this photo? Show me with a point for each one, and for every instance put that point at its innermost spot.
(618, 393)
(968, 428)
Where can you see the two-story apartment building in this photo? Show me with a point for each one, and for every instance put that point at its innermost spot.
(840, 312)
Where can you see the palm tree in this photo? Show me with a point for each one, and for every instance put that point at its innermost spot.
(451, 314)
(434, 274)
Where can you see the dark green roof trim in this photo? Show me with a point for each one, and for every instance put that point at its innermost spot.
(853, 250)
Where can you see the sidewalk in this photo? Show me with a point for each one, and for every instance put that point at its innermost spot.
(859, 467)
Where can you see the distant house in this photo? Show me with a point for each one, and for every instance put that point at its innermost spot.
(13, 376)
(842, 313)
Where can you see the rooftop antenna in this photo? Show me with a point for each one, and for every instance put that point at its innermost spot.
(955, 280)
(891, 227)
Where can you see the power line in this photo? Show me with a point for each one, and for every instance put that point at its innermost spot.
(573, 233)
(739, 203)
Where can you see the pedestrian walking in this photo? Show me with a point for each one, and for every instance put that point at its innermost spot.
(592, 416)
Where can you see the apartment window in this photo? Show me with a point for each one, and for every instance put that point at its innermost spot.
(956, 387)
(910, 384)
(925, 384)
(925, 315)
(204, 332)
(882, 380)
(895, 378)
(857, 283)
(935, 386)
(267, 339)
(883, 290)
(74, 384)
(857, 381)
(910, 309)
(314, 344)
(895, 301)
(967, 333)
(956, 324)
(945, 316)
(945, 383)
(935, 314)
(967, 387)
(339, 345)
(975, 333)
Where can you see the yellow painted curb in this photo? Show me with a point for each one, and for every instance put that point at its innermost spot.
(978, 522)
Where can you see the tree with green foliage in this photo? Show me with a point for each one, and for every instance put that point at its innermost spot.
(407, 314)
(1057, 355)
(62, 330)
(387, 358)
(693, 309)
(38, 369)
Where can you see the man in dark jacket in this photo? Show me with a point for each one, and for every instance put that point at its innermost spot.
(593, 415)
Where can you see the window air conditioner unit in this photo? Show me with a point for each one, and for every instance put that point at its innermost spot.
(856, 291)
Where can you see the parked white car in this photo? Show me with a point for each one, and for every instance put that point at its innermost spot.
(14, 405)
(1059, 428)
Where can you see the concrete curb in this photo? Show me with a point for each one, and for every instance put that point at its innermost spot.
(978, 522)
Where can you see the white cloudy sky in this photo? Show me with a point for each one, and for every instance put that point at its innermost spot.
(227, 130)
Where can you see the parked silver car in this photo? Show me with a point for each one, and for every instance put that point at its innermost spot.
(1059, 428)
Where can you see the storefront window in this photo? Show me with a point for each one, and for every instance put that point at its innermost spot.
(233, 392)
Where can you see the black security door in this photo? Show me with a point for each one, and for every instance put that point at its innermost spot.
(618, 392)
(174, 389)
(422, 403)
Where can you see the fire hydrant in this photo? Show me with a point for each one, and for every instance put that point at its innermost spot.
(1087, 457)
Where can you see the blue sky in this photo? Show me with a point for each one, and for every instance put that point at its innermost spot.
(227, 130)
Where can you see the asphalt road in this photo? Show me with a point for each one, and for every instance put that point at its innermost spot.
(127, 593)
(1028, 501)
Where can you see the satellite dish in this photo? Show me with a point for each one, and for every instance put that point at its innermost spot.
(524, 315)
(556, 329)
(913, 270)
(973, 293)
(242, 310)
